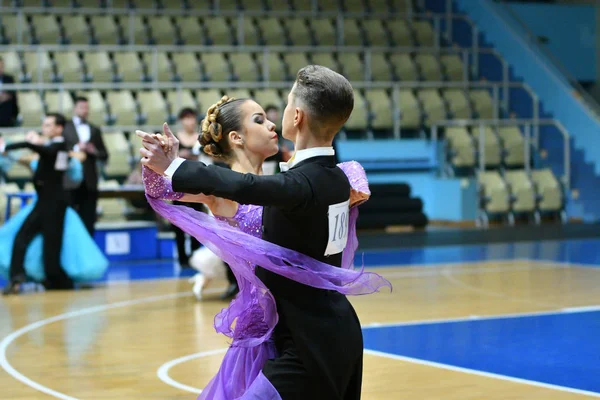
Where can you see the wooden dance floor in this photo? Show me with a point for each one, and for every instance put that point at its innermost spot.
(479, 330)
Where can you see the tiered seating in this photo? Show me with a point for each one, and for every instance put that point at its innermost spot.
(517, 193)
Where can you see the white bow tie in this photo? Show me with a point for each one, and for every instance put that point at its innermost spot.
(283, 166)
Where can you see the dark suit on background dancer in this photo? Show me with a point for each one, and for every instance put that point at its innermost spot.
(48, 215)
(82, 136)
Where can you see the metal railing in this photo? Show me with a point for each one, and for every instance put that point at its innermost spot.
(529, 126)
(393, 87)
(263, 55)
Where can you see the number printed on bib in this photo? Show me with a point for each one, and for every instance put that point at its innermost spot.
(62, 161)
(338, 227)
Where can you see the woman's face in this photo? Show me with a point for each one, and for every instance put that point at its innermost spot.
(189, 123)
(259, 133)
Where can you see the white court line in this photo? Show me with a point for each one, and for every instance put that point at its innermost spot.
(6, 342)
(163, 371)
(480, 373)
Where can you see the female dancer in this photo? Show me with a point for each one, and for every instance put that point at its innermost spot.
(80, 257)
(245, 138)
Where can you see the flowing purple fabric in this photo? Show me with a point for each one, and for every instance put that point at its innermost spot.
(237, 242)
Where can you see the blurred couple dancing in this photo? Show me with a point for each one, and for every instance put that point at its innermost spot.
(288, 238)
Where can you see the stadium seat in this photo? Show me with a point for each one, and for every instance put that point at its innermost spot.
(410, 111)
(229, 5)
(522, 191)
(186, 66)
(492, 148)
(266, 97)
(483, 103)
(162, 30)
(76, 29)
(352, 66)
(272, 31)
(190, 31)
(379, 5)
(252, 5)
(400, 32)
(380, 68)
(105, 29)
(424, 33)
(159, 67)
(549, 190)
(453, 66)
(359, 119)
(252, 35)
(294, 62)
(397, 6)
(60, 101)
(10, 30)
(375, 32)
(326, 60)
(433, 105)
(276, 72)
(129, 66)
(330, 5)
(494, 197)
(324, 30)
(215, 67)
(513, 145)
(461, 147)
(403, 67)
(244, 67)
(179, 99)
(281, 5)
(46, 28)
(38, 66)
(122, 107)
(238, 93)
(458, 103)
(352, 33)
(31, 109)
(429, 67)
(219, 31)
(153, 107)
(354, 6)
(381, 108)
(298, 32)
(12, 64)
(99, 67)
(207, 97)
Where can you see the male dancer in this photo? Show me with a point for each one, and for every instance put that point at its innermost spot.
(318, 336)
(48, 215)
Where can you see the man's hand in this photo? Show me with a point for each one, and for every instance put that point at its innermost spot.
(154, 156)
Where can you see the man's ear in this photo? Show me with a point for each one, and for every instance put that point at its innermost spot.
(299, 117)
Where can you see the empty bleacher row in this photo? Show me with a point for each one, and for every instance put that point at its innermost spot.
(214, 30)
(519, 193)
(502, 147)
(357, 6)
(374, 109)
(244, 66)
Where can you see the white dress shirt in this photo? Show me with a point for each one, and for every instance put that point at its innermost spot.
(83, 129)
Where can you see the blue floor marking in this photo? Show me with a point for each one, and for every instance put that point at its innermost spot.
(559, 349)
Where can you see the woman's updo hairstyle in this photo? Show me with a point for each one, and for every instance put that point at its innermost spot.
(221, 118)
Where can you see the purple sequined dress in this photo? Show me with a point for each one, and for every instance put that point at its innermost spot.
(238, 242)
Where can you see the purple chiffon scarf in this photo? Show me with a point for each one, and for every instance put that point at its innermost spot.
(252, 315)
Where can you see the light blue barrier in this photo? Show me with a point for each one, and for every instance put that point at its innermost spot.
(387, 155)
(533, 66)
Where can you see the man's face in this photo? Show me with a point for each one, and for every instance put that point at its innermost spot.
(82, 110)
(50, 129)
(273, 115)
(288, 130)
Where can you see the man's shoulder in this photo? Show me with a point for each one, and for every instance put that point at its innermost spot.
(7, 78)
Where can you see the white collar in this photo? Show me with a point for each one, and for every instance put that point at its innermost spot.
(301, 155)
(57, 139)
(78, 121)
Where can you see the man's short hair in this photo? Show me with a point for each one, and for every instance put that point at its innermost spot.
(326, 95)
(81, 99)
(271, 107)
(59, 119)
